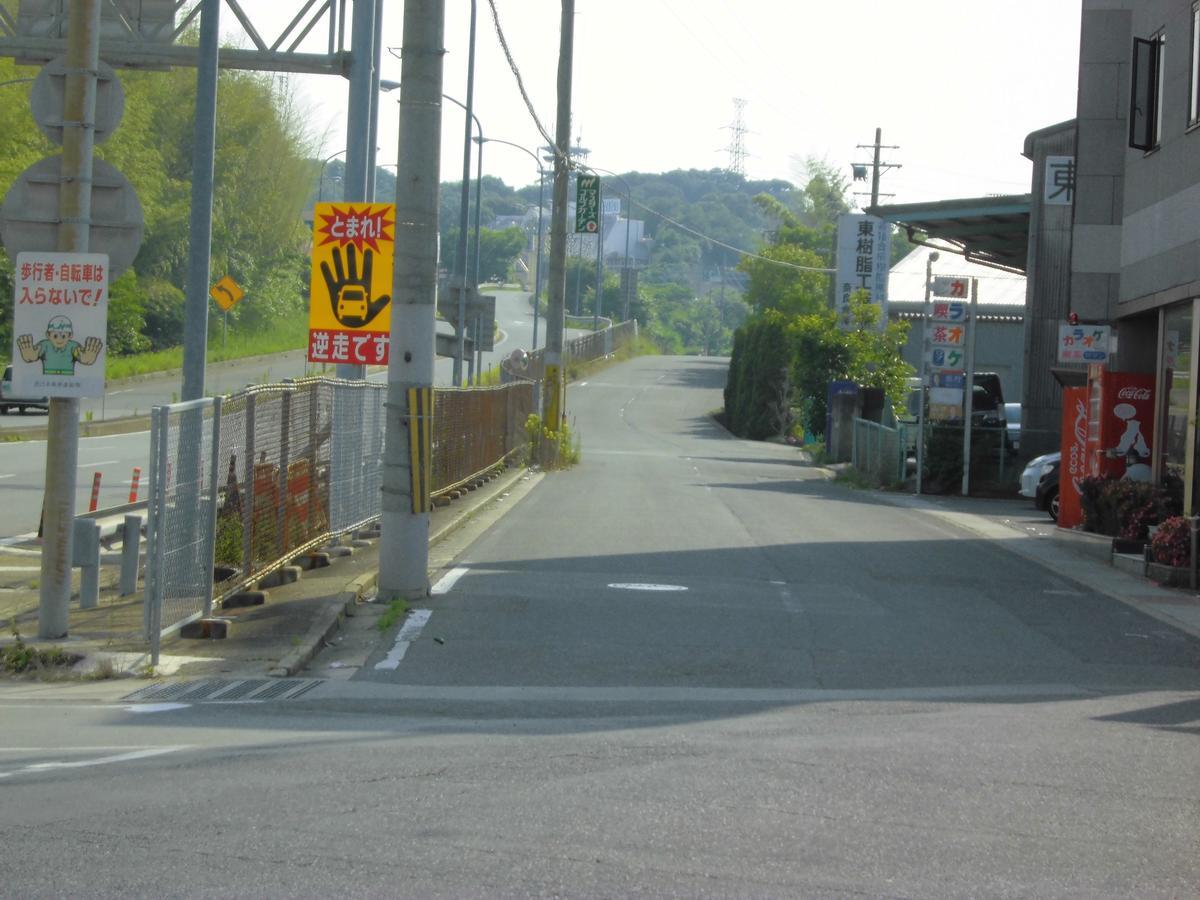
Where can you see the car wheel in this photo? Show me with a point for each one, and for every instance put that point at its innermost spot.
(1052, 505)
(21, 410)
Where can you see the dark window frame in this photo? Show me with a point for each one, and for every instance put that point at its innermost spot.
(1194, 75)
(1146, 93)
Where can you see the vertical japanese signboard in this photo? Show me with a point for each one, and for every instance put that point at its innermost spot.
(1058, 188)
(60, 322)
(350, 313)
(948, 333)
(864, 246)
(587, 204)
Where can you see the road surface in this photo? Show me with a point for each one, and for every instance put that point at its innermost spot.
(689, 666)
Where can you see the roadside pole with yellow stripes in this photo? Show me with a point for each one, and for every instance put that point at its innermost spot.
(420, 437)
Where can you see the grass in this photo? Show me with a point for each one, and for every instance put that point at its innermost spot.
(18, 658)
(291, 334)
(396, 610)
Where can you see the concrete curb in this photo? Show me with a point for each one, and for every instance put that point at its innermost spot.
(327, 621)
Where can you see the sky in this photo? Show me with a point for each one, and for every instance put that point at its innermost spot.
(955, 86)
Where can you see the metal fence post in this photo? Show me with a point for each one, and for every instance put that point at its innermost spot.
(285, 432)
(85, 554)
(131, 548)
(248, 490)
(210, 525)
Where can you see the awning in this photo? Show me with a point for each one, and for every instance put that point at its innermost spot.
(993, 231)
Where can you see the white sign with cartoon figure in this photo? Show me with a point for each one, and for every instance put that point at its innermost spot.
(60, 321)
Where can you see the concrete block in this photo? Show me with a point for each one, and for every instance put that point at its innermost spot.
(285, 575)
(338, 551)
(213, 629)
(243, 599)
(310, 561)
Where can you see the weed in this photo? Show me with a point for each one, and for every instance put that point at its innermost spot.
(105, 669)
(19, 657)
(146, 670)
(852, 478)
(88, 415)
(395, 611)
(10, 438)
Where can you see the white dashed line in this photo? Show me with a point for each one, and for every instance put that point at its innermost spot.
(409, 632)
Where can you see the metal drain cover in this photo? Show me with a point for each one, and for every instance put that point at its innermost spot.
(225, 690)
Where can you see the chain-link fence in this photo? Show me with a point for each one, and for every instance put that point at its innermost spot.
(181, 520)
(279, 469)
(880, 452)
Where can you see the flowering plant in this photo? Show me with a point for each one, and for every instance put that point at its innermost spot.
(1172, 543)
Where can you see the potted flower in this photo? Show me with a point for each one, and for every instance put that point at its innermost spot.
(1170, 551)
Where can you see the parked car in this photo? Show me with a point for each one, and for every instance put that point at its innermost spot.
(1039, 482)
(8, 399)
(1012, 419)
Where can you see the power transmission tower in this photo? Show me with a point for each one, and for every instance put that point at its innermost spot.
(876, 167)
(737, 140)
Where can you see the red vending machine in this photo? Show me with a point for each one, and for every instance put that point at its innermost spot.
(1120, 423)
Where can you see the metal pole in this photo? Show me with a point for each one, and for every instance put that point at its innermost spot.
(460, 327)
(204, 143)
(363, 98)
(596, 301)
(628, 277)
(478, 367)
(969, 391)
(537, 275)
(552, 398)
(929, 261)
(404, 523)
(75, 212)
(376, 58)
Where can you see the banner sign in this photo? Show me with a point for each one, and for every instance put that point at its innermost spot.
(1084, 343)
(587, 204)
(350, 312)
(60, 322)
(951, 286)
(864, 248)
(949, 311)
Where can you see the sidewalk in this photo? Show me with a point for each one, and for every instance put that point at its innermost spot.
(275, 639)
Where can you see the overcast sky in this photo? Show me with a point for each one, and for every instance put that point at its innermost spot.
(956, 84)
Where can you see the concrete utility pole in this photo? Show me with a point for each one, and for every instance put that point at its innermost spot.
(460, 329)
(404, 538)
(74, 234)
(204, 143)
(552, 404)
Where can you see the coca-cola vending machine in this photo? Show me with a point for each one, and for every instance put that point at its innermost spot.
(1120, 423)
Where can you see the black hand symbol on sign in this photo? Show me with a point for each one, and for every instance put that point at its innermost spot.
(350, 292)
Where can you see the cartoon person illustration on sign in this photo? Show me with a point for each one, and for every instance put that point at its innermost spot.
(57, 351)
(1132, 444)
(350, 292)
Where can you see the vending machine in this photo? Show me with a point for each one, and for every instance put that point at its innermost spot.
(1120, 425)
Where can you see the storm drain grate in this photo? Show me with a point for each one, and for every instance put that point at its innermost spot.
(219, 689)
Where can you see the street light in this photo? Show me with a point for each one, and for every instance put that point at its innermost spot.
(537, 276)
(324, 163)
(460, 329)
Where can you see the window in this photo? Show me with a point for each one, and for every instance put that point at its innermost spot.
(1146, 93)
(1194, 100)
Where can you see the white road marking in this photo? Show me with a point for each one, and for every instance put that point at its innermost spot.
(98, 761)
(632, 586)
(409, 632)
(20, 568)
(446, 582)
(102, 462)
(583, 384)
(125, 391)
(156, 707)
(14, 475)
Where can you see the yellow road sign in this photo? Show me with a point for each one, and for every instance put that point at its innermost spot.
(227, 293)
(350, 309)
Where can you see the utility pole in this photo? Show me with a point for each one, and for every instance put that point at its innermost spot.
(460, 328)
(404, 536)
(74, 234)
(552, 405)
(877, 168)
(204, 142)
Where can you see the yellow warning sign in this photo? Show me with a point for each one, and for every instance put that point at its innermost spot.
(350, 299)
(227, 293)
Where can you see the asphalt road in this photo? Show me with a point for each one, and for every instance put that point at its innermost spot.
(23, 464)
(689, 666)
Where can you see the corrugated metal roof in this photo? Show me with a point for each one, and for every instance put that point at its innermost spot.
(906, 280)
